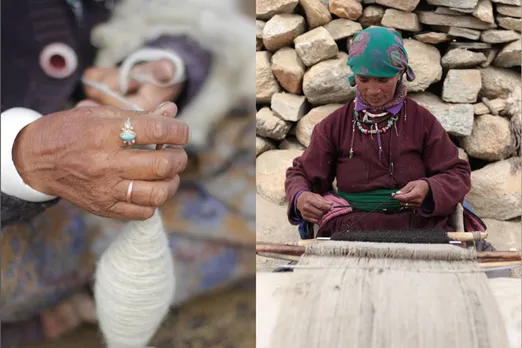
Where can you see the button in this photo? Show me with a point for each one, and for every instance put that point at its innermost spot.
(58, 60)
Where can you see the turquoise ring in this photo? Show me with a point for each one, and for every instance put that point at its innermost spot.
(127, 133)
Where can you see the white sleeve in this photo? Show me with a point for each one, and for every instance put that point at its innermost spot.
(12, 122)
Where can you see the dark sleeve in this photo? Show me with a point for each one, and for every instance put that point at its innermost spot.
(197, 64)
(15, 209)
(314, 170)
(448, 176)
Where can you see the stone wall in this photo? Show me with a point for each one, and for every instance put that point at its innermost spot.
(466, 55)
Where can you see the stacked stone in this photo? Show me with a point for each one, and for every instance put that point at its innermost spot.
(466, 55)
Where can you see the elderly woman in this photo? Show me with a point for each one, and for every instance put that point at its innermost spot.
(395, 165)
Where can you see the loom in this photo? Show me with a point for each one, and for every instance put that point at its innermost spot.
(416, 289)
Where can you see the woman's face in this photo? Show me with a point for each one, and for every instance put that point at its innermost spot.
(376, 90)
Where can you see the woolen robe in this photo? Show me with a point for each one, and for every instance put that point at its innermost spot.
(420, 149)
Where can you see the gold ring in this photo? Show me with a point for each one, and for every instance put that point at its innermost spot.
(129, 191)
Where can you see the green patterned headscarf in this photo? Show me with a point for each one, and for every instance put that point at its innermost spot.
(378, 52)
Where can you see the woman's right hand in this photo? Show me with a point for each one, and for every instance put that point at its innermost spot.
(78, 155)
(312, 206)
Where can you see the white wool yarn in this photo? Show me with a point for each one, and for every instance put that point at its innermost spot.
(134, 284)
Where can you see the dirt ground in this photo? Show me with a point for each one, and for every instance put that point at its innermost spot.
(225, 319)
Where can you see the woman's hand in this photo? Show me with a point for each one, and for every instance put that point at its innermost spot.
(413, 194)
(145, 95)
(78, 155)
(312, 206)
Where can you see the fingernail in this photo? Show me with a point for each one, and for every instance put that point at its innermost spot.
(167, 109)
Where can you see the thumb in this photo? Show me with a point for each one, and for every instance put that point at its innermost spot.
(407, 188)
(158, 71)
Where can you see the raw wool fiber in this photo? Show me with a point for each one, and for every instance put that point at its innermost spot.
(376, 295)
(134, 284)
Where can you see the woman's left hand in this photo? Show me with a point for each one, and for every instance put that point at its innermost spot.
(145, 95)
(413, 194)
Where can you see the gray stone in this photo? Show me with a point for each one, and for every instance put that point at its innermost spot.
(467, 4)
(403, 5)
(263, 145)
(281, 30)
(496, 36)
(291, 143)
(401, 20)
(315, 45)
(342, 28)
(266, 9)
(317, 13)
(288, 70)
(460, 58)
(461, 86)
(496, 191)
(484, 11)
(432, 38)
(509, 56)
(510, 11)
(498, 82)
(306, 125)
(424, 59)
(270, 126)
(289, 107)
(457, 119)
(508, 2)
(470, 45)
(464, 32)
(326, 82)
(491, 139)
(349, 9)
(266, 83)
(509, 23)
(431, 18)
(490, 55)
(372, 15)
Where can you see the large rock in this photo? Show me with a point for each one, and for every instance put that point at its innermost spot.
(372, 15)
(431, 18)
(270, 126)
(496, 191)
(498, 82)
(263, 145)
(288, 69)
(504, 235)
(509, 23)
(342, 28)
(315, 45)
(291, 143)
(484, 11)
(401, 20)
(403, 5)
(457, 119)
(461, 86)
(266, 83)
(463, 155)
(259, 35)
(461, 58)
(466, 33)
(271, 169)
(349, 9)
(466, 4)
(496, 36)
(317, 13)
(327, 81)
(281, 30)
(490, 140)
(432, 37)
(510, 11)
(289, 107)
(424, 59)
(306, 125)
(510, 55)
(265, 9)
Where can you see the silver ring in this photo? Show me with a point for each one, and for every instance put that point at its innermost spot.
(127, 133)
(129, 191)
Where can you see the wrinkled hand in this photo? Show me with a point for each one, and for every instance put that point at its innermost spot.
(145, 95)
(413, 194)
(312, 206)
(78, 155)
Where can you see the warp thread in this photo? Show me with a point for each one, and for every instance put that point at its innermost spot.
(377, 295)
(135, 284)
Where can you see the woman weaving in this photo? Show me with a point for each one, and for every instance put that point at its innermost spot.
(395, 165)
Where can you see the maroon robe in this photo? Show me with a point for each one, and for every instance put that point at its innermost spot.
(422, 150)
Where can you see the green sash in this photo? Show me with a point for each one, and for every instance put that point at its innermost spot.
(380, 200)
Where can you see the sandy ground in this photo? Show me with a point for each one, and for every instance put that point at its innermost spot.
(272, 226)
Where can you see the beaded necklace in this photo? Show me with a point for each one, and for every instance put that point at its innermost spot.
(374, 129)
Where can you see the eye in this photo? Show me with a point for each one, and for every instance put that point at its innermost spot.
(363, 79)
(384, 80)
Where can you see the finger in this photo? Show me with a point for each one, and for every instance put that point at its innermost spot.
(149, 95)
(136, 164)
(310, 219)
(153, 128)
(160, 70)
(408, 197)
(312, 211)
(147, 193)
(128, 211)
(87, 102)
(407, 188)
(322, 204)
